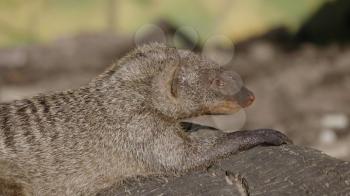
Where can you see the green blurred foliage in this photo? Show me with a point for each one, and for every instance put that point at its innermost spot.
(23, 22)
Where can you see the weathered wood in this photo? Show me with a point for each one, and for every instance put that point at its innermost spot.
(284, 170)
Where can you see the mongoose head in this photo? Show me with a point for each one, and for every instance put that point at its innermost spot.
(193, 86)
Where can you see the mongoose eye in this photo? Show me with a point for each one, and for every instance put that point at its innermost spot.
(218, 83)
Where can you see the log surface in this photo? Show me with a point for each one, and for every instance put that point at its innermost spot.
(283, 170)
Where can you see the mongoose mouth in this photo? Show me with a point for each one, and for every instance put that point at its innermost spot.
(232, 105)
(222, 108)
(225, 108)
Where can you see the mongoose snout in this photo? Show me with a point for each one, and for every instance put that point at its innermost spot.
(218, 90)
(235, 95)
(232, 104)
(245, 97)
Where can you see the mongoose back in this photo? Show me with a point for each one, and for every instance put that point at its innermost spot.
(124, 123)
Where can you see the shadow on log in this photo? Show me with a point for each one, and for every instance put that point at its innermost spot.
(284, 170)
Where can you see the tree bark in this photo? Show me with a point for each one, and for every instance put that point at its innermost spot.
(283, 170)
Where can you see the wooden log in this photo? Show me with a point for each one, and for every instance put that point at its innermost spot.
(283, 170)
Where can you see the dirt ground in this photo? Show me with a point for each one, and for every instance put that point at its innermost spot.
(304, 92)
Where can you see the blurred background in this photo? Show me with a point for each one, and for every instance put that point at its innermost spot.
(294, 55)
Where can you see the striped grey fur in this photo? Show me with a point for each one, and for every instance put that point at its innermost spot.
(124, 123)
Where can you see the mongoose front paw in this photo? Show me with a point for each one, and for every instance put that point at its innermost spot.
(249, 139)
(273, 137)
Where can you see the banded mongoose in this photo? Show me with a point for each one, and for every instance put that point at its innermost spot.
(124, 123)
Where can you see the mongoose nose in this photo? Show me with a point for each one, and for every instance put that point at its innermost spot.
(251, 99)
(245, 97)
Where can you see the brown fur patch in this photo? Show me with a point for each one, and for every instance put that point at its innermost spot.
(224, 107)
(11, 188)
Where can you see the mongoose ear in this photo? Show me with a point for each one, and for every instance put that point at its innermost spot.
(168, 82)
(174, 81)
